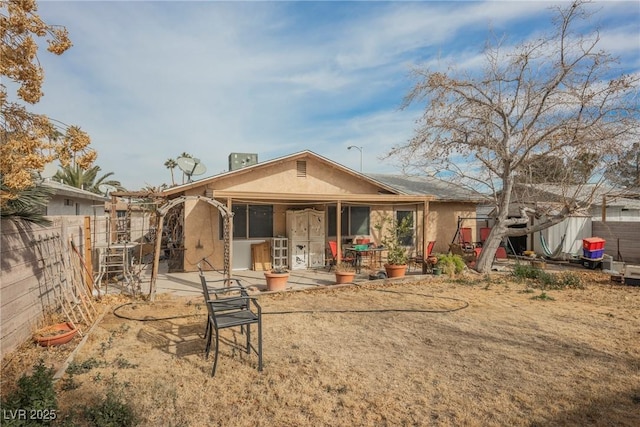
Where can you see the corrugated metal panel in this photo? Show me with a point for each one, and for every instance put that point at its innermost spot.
(575, 228)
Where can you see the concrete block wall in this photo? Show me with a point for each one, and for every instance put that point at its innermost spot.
(25, 293)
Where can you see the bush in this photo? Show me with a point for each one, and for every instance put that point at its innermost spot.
(451, 264)
(543, 280)
(114, 410)
(35, 396)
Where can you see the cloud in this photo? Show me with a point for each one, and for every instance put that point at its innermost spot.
(149, 80)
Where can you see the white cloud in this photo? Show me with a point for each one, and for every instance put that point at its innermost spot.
(149, 80)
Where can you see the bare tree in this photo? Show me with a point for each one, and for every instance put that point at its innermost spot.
(555, 96)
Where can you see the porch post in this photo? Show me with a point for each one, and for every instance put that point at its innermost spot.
(338, 231)
(229, 220)
(156, 256)
(425, 244)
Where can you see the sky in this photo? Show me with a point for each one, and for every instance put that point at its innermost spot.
(151, 80)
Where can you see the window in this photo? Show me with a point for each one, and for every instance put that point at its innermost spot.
(250, 221)
(406, 240)
(354, 220)
(260, 221)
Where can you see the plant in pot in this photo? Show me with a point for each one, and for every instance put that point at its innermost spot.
(393, 234)
(345, 273)
(277, 278)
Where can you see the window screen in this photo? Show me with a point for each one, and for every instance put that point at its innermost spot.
(407, 239)
(359, 220)
(260, 221)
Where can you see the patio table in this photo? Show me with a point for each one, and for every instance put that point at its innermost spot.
(374, 252)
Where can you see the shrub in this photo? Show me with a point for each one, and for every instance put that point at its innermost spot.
(451, 264)
(113, 410)
(35, 395)
(541, 279)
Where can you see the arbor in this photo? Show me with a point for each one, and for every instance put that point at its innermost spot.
(29, 141)
(558, 95)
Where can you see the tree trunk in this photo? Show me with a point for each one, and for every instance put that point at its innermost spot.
(485, 260)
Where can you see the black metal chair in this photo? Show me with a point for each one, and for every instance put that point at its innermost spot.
(228, 312)
(227, 294)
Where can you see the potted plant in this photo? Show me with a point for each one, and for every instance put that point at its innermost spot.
(277, 278)
(345, 273)
(392, 239)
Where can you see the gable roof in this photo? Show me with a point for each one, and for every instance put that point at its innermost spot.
(427, 185)
(388, 184)
(305, 154)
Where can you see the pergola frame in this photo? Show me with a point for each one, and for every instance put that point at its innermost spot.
(226, 213)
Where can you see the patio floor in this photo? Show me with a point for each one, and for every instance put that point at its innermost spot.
(188, 284)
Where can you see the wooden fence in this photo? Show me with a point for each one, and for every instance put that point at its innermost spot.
(622, 239)
(30, 284)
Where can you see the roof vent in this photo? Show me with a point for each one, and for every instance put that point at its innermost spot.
(301, 167)
(241, 160)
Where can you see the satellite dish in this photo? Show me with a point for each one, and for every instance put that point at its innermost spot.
(49, 170)
(190, 166)
(106, 189)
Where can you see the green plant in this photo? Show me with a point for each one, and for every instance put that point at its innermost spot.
(543, 280)
(543, 297)
(69, 383)
(393, 234)
(450, 264)
(114, 409)
(279, 270)
(83, 367)
(123, 363)
(34, 395)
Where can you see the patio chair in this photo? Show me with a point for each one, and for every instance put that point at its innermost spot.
(332, 255)
(418, 258)
(229, 312)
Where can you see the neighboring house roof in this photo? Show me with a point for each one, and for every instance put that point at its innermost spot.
(427, 185)
(590, 194)
(61, 189)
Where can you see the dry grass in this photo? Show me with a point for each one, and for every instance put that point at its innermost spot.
(384, 355)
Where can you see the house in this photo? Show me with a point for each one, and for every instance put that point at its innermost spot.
(68, 200)
(299, 202)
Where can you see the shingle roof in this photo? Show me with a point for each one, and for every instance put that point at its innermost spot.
(425, 185)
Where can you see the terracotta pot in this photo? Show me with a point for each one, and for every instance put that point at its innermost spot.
(276, 281)
(395, 270)
(344, 277)
(58, 334)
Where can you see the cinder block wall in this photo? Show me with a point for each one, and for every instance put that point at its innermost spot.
(25, 293)
(620, 236)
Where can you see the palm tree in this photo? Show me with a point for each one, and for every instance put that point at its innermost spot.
(75, 176)
(171, 164)
(30, 205)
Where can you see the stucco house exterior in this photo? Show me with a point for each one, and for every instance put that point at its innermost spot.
(294, 201)
(68, 200)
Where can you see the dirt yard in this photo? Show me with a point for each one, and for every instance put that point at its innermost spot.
(472, 351)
